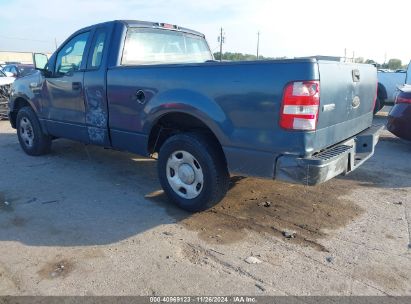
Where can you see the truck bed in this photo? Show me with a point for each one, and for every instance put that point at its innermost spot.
(241, 101)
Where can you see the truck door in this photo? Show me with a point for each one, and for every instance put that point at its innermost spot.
(95, 96)
(66, 115)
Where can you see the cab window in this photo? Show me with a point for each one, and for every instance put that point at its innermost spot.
(70, 57)
(97, 49)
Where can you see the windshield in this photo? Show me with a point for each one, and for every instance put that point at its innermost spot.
(155, 46)
(2, 74)
(26, 70)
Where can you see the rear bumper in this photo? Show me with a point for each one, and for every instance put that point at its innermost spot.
(339, 159)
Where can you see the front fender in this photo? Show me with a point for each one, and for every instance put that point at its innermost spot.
(22, 88)
(22, 94)
(192, 103)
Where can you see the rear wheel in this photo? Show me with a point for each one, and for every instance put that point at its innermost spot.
(31, 137)
(193, 171)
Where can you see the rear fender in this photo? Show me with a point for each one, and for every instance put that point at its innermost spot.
(192, 103)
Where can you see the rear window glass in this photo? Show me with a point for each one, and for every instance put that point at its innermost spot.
(24, 71)
(156, 46)
(98, 49)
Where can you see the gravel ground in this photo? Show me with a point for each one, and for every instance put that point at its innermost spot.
(89, 221)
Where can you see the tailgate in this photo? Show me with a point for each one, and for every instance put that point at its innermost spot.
(347, 95)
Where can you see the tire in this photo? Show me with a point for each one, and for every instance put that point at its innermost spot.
(379, 104)
(185, 154)
(31, 137)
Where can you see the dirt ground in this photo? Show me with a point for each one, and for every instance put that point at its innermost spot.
(89, 221)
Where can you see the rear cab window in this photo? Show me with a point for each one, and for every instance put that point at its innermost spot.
(97, 49)
(145, 46)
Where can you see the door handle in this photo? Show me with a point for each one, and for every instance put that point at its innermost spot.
(76, 86)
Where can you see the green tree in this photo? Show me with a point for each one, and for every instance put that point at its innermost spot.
(370, 61)
(373, 62)
(239, 56)
(394, 64)
(359, 60)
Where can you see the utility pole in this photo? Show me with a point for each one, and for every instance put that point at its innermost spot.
(258, 43)
(55, 42)
(221, 39)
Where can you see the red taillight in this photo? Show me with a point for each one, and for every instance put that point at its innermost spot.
(401, 99)
(299, 110)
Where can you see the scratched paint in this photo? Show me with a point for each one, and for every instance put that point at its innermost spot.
(96, 135)
(96, 116)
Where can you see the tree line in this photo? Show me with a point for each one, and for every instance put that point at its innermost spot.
(241, 57)
(392, 64)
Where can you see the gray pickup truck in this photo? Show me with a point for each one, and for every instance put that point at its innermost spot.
(155, 90)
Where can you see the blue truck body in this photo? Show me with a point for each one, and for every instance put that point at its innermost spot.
(126, 107)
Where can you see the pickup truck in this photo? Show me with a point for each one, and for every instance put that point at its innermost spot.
(154, 89)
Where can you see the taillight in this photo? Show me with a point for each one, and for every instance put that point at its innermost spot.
(402, 99)
(301, 101)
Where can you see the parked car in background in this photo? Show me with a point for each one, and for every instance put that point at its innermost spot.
(6, 80)
(388, 84)
(5, 88)
(19, 70)
(399, 118)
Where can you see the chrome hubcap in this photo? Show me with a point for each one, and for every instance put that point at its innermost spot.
(184, 174)
(26, 132)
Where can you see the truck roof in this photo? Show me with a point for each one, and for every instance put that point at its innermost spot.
(136, 23)
(148, 24)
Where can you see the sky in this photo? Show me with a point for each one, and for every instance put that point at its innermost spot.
(375, 30)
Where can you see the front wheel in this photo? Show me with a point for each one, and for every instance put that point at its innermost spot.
(193, 171)
(31, 136)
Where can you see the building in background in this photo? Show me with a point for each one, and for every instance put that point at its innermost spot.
(21, 57)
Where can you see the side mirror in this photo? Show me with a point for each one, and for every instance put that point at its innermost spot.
(9, 74)
(40, 61)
